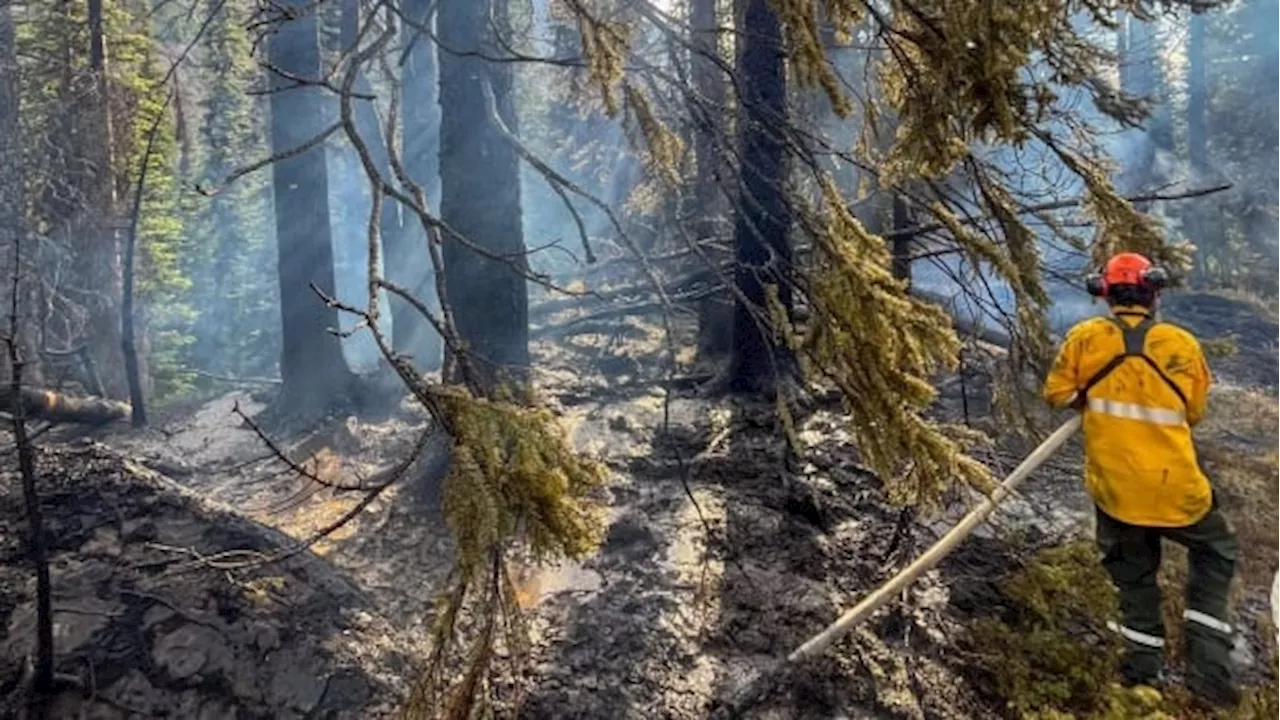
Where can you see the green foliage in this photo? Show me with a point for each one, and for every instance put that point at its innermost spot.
(60, 103)
(880, 346)
(513, 479)
(160, 283)
(513, 473)
(230, 258)
(1055, 655)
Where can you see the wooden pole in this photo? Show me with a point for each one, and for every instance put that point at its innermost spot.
(759, 686)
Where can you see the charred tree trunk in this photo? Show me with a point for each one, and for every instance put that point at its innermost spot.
(709, 83)
(902, 245)
(480, 197)
(408, 261)
(128, 342)
(312, 367)
(763, 247)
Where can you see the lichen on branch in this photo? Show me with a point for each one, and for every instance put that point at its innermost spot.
(882, 348)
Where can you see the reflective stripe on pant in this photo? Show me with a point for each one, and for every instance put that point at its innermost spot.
(1131, 555)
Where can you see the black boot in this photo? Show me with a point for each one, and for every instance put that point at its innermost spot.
(1215, 693)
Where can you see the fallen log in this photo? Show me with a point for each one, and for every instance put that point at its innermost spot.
(53, 406)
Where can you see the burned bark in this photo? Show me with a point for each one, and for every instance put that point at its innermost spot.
(53, 406)
(761, 231)
(311, 363)
(480, 196)
(710, 86)
(901, 244)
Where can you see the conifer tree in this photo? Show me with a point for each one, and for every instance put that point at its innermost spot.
(763, 223)
(480, 194)
(311, 361)
(408, 262)
(232, 263)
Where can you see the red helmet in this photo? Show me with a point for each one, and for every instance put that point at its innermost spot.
(1126, 268)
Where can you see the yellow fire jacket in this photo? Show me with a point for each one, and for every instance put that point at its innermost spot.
(1140, 465)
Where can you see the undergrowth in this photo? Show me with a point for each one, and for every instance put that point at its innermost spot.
(1051, 656)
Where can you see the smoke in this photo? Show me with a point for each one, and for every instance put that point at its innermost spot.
(349, 205)
(1036, 175)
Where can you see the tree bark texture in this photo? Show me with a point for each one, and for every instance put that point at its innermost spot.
(13, 198)
(40, 404)
(708, 82)
(312, 367)
(480, 196)
(763, 247)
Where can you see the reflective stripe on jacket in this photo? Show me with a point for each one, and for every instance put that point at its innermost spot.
(1141, 465)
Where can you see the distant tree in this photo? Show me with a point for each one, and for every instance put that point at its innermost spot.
(12, 187)
(480, 194)
(311, 361)
(407, 259)
(1139, 47)
(761, 230)
(232, 264)
(1236, 231)
(708, 81)
(13, 201)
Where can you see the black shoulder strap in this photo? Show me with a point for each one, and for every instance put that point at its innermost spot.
(1135, 341)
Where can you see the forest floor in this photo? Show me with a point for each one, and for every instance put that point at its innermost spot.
(718, 556)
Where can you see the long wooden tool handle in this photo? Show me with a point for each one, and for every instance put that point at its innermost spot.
(945, 545)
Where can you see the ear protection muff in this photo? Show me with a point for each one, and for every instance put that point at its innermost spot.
(1096, 284)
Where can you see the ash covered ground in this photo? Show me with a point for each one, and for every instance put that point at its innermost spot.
(718, 557)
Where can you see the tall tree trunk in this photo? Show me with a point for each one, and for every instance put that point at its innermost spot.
(1198, 144)
(761, 238)
(709, 84)
(13, 224)
(408, 260)
(100, 265)
(1138, 47)
(480, 195)
(311, 362)
(405, 321)
(1197, 99)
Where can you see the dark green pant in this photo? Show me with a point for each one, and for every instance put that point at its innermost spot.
(1131, 555)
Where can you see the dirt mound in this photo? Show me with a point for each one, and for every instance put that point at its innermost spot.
(154, 623)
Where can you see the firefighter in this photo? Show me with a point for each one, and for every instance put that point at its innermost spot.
(1141, 385)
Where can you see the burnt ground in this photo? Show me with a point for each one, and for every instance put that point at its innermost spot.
(152, 630)
(1213, 317)
(718, 557)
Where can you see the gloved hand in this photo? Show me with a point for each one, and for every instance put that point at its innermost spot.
(1078, 402)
